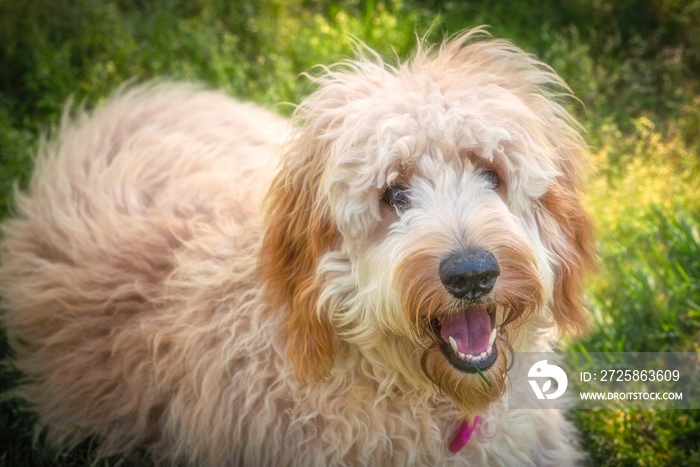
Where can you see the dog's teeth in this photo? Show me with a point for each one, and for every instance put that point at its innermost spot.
(461, 355)
(488, 350)
(482, 355)
(453, 343)
(492, 337)
(469, 357)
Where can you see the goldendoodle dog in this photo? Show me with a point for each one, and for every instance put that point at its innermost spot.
(174, 293)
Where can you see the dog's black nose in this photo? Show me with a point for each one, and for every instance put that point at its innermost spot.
(469, 275)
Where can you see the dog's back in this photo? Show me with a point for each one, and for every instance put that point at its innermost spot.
(111, 203)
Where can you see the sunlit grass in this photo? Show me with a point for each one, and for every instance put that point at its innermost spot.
(646, 294)
(646, 297)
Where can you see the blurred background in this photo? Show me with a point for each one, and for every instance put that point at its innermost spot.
(634, 65)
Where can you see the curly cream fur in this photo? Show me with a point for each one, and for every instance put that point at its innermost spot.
(156, 298)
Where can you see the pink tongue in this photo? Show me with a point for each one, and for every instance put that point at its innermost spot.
(470, 328)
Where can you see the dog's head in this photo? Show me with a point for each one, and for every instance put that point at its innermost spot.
(424, 213)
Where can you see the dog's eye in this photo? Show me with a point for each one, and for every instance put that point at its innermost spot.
(492, 177)
(397, 196)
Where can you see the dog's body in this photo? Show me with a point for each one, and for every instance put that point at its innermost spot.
(150, 304)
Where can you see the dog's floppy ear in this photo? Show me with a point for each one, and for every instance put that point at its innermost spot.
(298, 232)
(570, 241)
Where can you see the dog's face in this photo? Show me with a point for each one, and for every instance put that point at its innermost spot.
(424, 214)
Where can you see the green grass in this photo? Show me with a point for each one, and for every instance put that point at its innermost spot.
(647, 299)
(660, 270)
(633, 63)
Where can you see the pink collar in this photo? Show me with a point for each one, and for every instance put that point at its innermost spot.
(463, 435)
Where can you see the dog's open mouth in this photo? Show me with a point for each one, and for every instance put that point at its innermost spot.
(467, 338)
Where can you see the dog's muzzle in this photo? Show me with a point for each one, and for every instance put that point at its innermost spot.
(467, 335)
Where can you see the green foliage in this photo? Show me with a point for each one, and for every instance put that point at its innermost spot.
(657, 438)
(646, 298)
(652, 282)
(634, 64)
